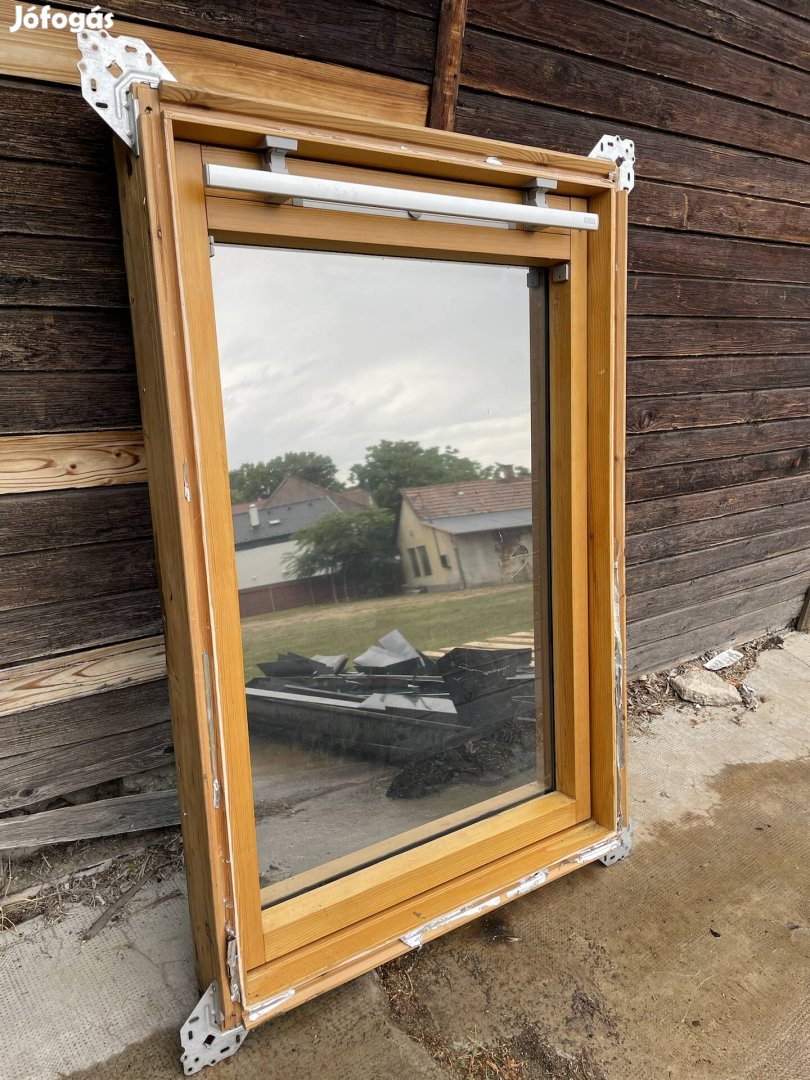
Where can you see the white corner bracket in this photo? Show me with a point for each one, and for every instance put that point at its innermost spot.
(202, 1039)
(623, 152)
(108, 68)
(622, 849)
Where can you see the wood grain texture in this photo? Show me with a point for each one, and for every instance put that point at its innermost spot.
(693, 255)
(719, 635)
(49, 341)
(699, 476)
(447, 64)
(678, 539)
(668, 155)
(42, 122)
(159, 333)
(107, 817)
(49, 200)
(61, 273)
(701, 444)
(779, 574)
(742, 23)
(79, 675)
(88, 459)
(595, 30)
(704, 374)
(88, 516)
(682, 411)
(534, 72)
(30, 777)
(658, 514)
(712, 560)
(46, 577)
(49, 629)
(86, 719)
(51, 55)
(67, 401)
(653, 295)
(674, 336)
(669, 206)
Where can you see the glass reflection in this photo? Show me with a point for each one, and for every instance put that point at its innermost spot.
(380, 451)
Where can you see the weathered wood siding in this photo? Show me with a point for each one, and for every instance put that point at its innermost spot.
(715, 95)
(77, 564)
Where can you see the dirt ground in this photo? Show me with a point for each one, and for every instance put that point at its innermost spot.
(690, 960)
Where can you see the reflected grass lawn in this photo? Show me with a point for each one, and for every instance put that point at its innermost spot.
(428, 621)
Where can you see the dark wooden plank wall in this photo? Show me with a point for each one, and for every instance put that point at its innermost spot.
(77, 568)
(715, 95)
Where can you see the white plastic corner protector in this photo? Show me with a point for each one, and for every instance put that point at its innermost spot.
(623, 152)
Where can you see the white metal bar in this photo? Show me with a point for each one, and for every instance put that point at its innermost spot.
(285, 186)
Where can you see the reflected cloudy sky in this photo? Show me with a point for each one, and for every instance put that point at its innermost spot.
(333, 352)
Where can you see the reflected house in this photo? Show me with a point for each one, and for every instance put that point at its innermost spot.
(264, 533)
(465, 534)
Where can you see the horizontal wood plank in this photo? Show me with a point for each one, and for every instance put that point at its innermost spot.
(682, 411)
(84, 720)
(704, 374)
(76, 460)
(700, 476)
(652, 295)
(653, 335)
(667, 155)
(42, 199)
(646, 576)
(38, 340)
(199, 59)
(40, 122)
(46, 773)
(536, 73)
(107, 817)
(597, 31)
(68, 401)
(720, 635)
(693, 536)
(61, 273)
(741, 23)
(661, 609)
(49, 629)
(702, 444)
(45, 577)
(694, 255)
(658, 514)
(690, 209)
(79, 675)
(84, 516)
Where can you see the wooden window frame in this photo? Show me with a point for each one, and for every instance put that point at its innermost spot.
(277, 958)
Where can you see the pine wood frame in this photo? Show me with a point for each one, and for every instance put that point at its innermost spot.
(299, 948)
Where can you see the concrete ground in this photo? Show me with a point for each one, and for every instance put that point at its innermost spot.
(690, 960)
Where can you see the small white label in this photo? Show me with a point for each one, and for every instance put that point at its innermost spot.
(723, 660)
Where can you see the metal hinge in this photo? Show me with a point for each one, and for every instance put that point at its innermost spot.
(201, 1037)
(211, 249)
(108, 68)
(623, 152)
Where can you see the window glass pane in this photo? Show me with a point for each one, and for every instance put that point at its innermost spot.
(389, 554)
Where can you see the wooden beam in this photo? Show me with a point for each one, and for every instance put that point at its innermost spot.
(51, 56)
(74, 460)
(803, 621)
(81, 674)
(107, 817)
(447, 68)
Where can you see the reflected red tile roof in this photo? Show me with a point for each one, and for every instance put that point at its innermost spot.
(473, 497)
